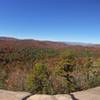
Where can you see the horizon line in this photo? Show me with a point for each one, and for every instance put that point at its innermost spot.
(37, 39)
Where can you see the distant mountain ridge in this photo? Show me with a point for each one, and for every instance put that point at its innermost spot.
(80, 43)
(7, 38)
(57, 43)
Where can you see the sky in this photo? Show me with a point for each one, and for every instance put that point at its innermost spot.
(55, 20)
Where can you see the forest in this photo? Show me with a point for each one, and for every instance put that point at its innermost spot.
(44, 67)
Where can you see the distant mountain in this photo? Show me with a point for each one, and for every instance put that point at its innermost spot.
(10, 41)
(80, 43)
(7, 38)
(13, 42)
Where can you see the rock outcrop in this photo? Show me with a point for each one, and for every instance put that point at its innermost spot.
(90, 94)
(9, 95)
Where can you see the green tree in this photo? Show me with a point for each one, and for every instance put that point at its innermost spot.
(39, 80)
(63, 72)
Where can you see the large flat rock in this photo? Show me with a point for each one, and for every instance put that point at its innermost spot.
(50, 97)
(9, 95)
(90, 94)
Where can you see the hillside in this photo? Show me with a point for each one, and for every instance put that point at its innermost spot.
(47, 67)
(13, 42)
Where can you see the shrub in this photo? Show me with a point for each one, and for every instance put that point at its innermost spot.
(38, 80)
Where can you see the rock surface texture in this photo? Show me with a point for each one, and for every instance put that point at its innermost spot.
(9, 95)
(90, 94)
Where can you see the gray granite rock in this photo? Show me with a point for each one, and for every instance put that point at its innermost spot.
(90, 94)
(10, 95)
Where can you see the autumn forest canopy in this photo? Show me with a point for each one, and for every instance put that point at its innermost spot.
(45, 67)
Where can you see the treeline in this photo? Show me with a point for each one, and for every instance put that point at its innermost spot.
(48, 70)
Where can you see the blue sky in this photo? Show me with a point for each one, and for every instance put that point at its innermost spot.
(56, 20)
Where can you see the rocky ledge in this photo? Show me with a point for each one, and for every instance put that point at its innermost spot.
(90, 94)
